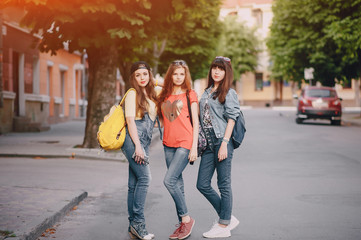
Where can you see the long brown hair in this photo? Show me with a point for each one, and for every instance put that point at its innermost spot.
(168, 83)
(222, 90)
(141, 102)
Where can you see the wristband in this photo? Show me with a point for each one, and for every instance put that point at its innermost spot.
(225, 140)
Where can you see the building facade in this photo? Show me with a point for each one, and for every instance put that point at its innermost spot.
(38, 89)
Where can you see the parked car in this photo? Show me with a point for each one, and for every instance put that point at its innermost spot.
(319, 103)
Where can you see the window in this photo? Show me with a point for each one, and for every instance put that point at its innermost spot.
(259, 81)
(347, 83)
(320, 93)
(48, 80)
(258, 16)
(62, 92)
(232, 14)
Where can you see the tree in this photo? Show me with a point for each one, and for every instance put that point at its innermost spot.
(195, 38)
(111, 31)
(239, 43)
(304, 34)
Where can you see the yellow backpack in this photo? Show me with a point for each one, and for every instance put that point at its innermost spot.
(111, 132)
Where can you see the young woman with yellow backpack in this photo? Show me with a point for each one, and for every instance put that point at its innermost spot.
(140, 114)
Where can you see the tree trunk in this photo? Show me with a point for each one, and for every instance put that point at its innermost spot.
(124, 68)
(101, 90)
(357, 92)
(157, 53)
(281, 91)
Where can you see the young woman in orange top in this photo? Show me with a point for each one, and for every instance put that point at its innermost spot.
(179, 140)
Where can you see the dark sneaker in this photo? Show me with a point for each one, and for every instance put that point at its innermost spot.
(186, 229)
(131, 235)
(139, 230)
(176, 232)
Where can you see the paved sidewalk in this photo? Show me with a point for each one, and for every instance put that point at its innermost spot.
(60, 141)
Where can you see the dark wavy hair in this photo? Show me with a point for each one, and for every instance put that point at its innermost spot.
(227, 81)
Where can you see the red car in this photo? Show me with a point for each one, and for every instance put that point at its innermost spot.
(319, 103)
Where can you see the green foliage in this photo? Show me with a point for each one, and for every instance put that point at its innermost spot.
(315, 33)
(240, 44)
(194, 37)
(84, 24)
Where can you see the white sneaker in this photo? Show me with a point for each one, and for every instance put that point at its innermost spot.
(149, 236)
(217, 232)
(234, 223)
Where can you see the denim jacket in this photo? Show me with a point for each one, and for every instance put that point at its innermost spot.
(220, 113)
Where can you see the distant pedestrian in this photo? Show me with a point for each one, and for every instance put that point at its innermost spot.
(140, 113)
(179, 140)
(219, 108)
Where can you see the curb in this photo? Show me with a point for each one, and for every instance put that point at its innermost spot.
(96, 154)
(33, 155)
(49, 222)
(84, 153)
(351, 123)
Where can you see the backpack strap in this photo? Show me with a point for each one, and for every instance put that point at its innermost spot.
(125, 95)
(189, 107)
(160, 129)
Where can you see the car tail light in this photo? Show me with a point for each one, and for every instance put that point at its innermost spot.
(304, 103)
(336, 103)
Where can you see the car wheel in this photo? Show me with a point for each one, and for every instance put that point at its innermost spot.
(336, 122)
(299, 120)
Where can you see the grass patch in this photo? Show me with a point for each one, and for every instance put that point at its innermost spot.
(7, 233)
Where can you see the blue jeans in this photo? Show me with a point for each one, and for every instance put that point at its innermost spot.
(139, 174)
(209, 163)
(176, 160)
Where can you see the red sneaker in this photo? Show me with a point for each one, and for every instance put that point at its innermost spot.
(186, 229)
(176, 232)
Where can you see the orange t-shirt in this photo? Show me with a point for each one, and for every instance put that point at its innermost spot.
(178, 130)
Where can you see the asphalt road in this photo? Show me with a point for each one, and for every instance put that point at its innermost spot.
(290, 181)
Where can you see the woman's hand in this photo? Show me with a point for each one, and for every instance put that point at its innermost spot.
(193, 155)
(139, 155)
(222, 152)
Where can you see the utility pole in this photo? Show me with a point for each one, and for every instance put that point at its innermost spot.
(1, 61)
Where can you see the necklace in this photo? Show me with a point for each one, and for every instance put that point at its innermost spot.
(177, 92)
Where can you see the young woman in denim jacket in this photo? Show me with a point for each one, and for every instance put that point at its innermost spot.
(179, 139)
(219, 108)
(140, 113)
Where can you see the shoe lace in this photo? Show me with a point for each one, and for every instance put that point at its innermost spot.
(182, 227)
(178, 226)
(140, 228)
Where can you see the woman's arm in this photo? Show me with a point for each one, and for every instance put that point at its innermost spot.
(132, 129)
(193, 152)
(223, 152)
